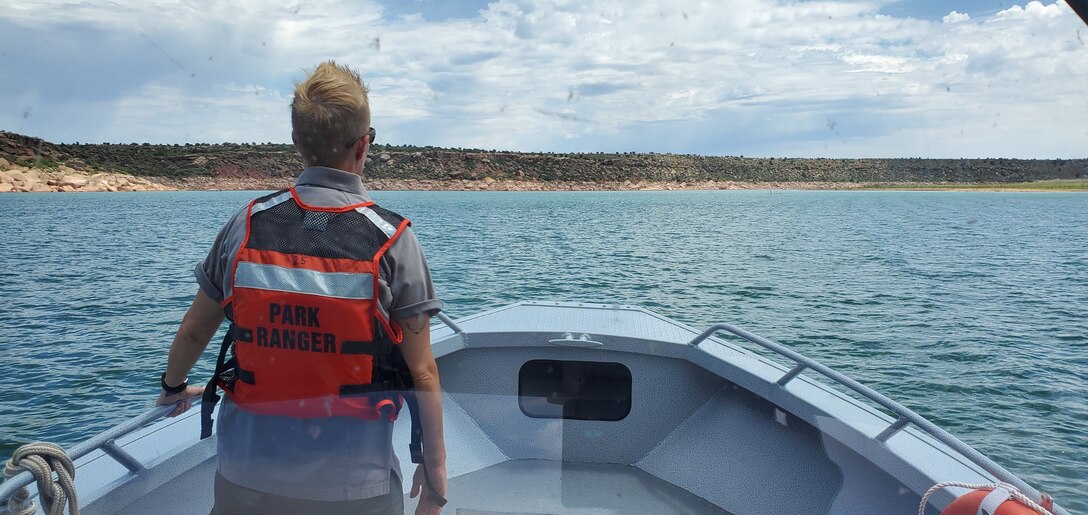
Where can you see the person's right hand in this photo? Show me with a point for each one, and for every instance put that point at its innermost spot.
(426, 505)
(184, 400)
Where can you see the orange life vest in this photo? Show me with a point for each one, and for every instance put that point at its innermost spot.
(309, 340)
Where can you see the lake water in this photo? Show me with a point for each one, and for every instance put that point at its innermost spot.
(970, 308)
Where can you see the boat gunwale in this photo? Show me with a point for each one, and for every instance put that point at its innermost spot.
(800, 389)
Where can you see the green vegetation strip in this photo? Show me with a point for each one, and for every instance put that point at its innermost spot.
(1052, 185)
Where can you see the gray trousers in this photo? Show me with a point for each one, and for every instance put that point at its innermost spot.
(232, 499)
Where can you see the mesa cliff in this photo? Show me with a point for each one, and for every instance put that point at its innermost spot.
(269, 165)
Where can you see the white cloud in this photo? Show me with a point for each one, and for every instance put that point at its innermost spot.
(742, 77)
(878, 63)
(232, 113)
(1033, 9)
(955, 17)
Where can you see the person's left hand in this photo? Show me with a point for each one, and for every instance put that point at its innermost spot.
(184, 400)
(426, 505)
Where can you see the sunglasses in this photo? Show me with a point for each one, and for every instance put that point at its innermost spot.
(370, 132)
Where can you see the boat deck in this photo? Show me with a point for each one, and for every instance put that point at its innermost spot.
(545, 486)
(514, 486)
(191, 492)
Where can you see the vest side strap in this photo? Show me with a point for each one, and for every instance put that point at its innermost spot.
(373, 348)
(349, 390)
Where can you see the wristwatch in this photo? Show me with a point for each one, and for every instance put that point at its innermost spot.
(173, 390)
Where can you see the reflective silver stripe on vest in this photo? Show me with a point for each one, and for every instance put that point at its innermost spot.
(344, 285)
(386, 227)
(271, 203)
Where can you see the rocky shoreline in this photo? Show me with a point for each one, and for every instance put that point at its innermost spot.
(488, 184)
(65, 179)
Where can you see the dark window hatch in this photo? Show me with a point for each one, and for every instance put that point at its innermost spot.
(579, 390)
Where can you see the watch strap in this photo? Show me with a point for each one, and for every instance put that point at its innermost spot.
(173, 390)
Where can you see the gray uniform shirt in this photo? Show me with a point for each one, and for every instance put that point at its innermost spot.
(325, 459)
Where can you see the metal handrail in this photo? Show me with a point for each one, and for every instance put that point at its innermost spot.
(449, 322)
(107, 441)
(906, 416)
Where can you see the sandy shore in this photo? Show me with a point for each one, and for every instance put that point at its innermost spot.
(209, 183)
(488, 184)
(65, 179)
(15, 178)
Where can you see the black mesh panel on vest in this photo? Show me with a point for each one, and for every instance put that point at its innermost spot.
(316, 220)
(347, 235)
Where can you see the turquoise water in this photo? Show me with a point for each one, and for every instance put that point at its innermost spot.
(970, 308)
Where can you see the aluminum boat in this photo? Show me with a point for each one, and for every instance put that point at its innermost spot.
(591, 408)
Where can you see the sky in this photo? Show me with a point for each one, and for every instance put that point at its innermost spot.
(775, 78)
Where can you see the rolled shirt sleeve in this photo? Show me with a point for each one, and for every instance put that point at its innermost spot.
(407, 289)
(213, 274)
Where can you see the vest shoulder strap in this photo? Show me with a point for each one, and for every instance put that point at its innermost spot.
(389, 222)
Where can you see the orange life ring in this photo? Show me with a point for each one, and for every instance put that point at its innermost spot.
(970, 504)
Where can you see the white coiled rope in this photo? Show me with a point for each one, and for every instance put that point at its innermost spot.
(1014, 493)
(43, 459)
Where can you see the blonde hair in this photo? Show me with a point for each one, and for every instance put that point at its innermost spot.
(329, 109)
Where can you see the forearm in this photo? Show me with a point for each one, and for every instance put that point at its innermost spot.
(417, 353)
(429, 394)
(196, 330)
(184, 353)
